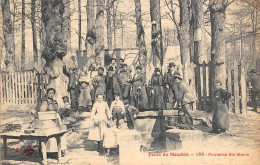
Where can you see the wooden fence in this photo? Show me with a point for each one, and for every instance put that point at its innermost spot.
(235, 83)
(18, 88)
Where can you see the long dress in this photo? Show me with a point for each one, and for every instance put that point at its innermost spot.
(221, 116)
(110, 138)
(100, 114)
(156, 98)
(52, 105)
(138, 93)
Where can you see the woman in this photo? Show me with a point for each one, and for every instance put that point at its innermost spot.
(156, 93)
(138, 93)
(100, 115)
(51, 105)
(85, 99)
(220, 116)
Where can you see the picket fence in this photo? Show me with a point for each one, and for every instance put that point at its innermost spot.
(235, 83)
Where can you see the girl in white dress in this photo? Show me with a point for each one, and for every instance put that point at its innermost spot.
(110, 137)
(100, 114)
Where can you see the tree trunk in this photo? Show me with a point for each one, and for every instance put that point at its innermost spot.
(157, 45)
(109, 25)
(67, 32)
(79, 24)
(91, 32)
(100, 31)
(184, 39)
(23, 37)
(34, 35)
(55, 46)
(8, 36)
(140, 40)
(218, 65)
(114, 23)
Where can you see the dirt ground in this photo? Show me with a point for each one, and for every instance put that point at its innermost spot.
(242, 138)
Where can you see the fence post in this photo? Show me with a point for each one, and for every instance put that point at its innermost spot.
(198, 84)
(236, 88)
(243, 89)
(204, 85)
(13, 87)
(229, 85)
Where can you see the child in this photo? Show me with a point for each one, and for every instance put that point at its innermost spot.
(118, 109)
(85, 100)
(100, 115)
(110, 137)
(221, 119)
(130, 114)
(183, 121)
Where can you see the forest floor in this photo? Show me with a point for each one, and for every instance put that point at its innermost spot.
(242, 138)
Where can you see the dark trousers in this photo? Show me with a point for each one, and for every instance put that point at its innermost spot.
(117, 115)
(74, 99)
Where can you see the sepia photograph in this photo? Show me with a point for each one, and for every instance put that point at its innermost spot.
(120, 82)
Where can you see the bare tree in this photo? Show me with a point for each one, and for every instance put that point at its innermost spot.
(8, 36)
(157, 45)
(34, 34)
(218, 64)
(91, 32)
(100, 31)
(79, 25)
(140, 40)
(109, 24)
(55, 47)
(183, 30)
(23, 37)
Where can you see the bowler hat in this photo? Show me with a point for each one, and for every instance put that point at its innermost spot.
(157, 70)
(139, 67)
(171, 64)
(120, 59)
(110, 68)
(177, 75)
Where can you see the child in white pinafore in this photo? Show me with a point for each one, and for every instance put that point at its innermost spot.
(110, 137)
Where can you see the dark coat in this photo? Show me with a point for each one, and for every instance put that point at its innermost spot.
(138, 93)
(156, 98)
(129, 112)
(73, 79)
(220, 115)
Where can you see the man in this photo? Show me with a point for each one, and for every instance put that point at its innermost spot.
(125, 78)
(113, 64)
(121, 64)
(255, 91)
(112, 86)
(170, 87)
(99, 83)
(73, 88)
(185, 96)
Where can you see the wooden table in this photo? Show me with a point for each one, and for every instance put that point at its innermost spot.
(41, 137)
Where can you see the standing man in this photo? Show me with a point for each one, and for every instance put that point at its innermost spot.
(255, 91)
(112, 86)
(113, 64)
(73, 87)
(99, 83)
(121, 65)
(185, 96)
(125, 77)
(170, 87)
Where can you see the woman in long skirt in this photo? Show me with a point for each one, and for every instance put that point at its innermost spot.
(100, 114)
(220, 116)
(51, 105)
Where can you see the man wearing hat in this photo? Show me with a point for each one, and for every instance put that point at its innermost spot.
(73, 87)
(99, 83)
(125, 77)
(112, 86)
(138, 95)
(156, 93)
(170, 86)
(185, 95)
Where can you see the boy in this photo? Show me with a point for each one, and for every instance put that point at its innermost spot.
(118, 109)
(130, 114)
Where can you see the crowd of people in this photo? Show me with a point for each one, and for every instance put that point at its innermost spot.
(115, 98)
